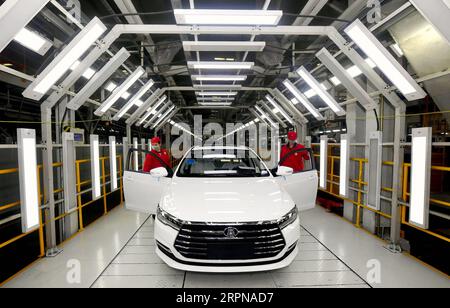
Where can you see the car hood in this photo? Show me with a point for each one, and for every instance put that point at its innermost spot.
(226, 200)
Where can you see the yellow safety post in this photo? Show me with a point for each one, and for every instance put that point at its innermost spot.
(105, 206)
(80, 208)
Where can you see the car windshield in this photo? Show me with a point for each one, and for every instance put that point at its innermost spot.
(230, 163)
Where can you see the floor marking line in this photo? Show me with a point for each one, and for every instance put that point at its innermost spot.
(111, 262)
(337, 257)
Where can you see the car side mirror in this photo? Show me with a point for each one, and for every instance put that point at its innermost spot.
(284, 171)
(159, 172)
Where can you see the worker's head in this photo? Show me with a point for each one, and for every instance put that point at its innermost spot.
(292, 138)
(156, 144)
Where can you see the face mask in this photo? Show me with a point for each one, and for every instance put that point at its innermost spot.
(157, 147)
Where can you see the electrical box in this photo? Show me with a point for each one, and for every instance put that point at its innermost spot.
(78, 135)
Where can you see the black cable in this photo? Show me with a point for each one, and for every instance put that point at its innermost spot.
(136, 14)
(318, 17)
(378, 120)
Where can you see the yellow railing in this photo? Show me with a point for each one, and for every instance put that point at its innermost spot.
(80, 206)
(361, 184)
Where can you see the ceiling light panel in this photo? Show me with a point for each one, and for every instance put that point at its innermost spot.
(33, 41)
(119, 91)
(218, 78)
(152, 110)
(214, 103)
(303, 99)
(217, 86)
(14, 16)
(324, 95)
(384, 60)
(216, 93)
(96, 82)
(342, 75)
(227, 17)
(134, 100)
(65, 59)
(218, 65)
(224, 46)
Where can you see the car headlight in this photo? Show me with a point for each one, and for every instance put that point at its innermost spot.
(168, 219)
(289, 218)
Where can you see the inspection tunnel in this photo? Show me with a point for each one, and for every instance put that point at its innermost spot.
(224, 144)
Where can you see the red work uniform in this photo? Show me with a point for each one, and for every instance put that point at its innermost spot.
(294, 161)
(152, 162)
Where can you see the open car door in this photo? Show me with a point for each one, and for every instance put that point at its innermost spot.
(301, 186)
(143, 190)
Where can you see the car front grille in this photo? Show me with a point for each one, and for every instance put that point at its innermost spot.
(221, 242)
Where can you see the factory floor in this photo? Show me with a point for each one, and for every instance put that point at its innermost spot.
(118, 251)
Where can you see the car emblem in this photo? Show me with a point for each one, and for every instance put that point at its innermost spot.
(230, 232)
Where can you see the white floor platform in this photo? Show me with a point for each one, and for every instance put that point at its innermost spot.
(118, 251)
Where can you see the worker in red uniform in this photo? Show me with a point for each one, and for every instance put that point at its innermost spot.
(294, 161)
(152, 162)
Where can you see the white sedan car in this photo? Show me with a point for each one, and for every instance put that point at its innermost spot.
(223, 212)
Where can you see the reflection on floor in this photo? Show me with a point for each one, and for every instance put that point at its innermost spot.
(118, 251)
(138, 266)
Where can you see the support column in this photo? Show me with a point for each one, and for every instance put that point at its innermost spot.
(49, 199)
(400, 136)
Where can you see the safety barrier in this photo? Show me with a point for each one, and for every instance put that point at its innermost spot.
(405, 180)
(80, 205)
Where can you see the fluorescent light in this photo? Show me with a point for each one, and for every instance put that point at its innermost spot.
(279, 109)
(324, 95)
(218, 78)
(323, 162)
(139, 103)
(353, 87)
(344, 164)
(98, 79)
(216, 99)
(162, 117)
(125, 95)
(113, 162)
(224, 46)
(335, 81)
(311, 93)
(89, 73)
(119, 91)
(29, 198)
(14, 16)
(217, 86)
(354, 72)
(152, 110)
(135, 154)
(302, 98)
(397, 50)
(223, 59)
(216, 93)
(384, 61)
(420, 177)
(110, 87)
(33, 41)
(135, 99)
(218, 65)
(95, 167)
(65, 59)
(374, 169)
(227, 17)
(214, 104)
(264, 116)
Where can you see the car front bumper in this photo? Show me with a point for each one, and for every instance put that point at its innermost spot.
(165, 237)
